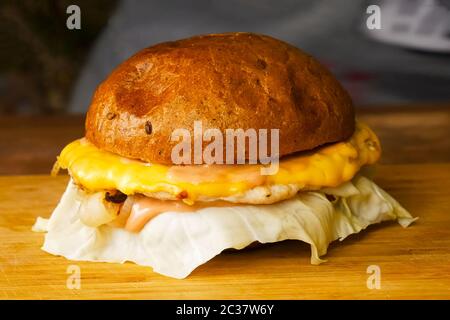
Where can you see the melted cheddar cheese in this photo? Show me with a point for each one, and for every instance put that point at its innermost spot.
(328, 166)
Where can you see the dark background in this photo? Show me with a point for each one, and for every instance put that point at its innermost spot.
(46, 68)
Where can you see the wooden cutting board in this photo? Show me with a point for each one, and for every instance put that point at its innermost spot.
(413, 262)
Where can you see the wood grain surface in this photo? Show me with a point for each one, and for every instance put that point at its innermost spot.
(414, 262)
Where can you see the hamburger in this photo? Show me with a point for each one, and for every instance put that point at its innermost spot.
(130, 199)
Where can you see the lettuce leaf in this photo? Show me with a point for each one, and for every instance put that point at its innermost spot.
(174, 244)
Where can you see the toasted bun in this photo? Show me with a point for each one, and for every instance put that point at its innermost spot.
(228, 81)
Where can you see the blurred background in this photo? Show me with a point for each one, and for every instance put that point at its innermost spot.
(45, 68)
(398, 75)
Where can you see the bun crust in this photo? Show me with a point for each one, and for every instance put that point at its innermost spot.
(228, 81)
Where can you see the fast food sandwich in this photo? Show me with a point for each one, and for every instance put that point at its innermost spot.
(210, 143)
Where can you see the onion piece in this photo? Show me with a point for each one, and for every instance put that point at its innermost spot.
(95, 211)
(124, 213)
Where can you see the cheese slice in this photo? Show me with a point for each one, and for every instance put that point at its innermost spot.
(328, 166)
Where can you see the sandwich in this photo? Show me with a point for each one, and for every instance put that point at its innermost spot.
(210, 143)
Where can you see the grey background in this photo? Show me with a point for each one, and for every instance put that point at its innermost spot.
(375, 73)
